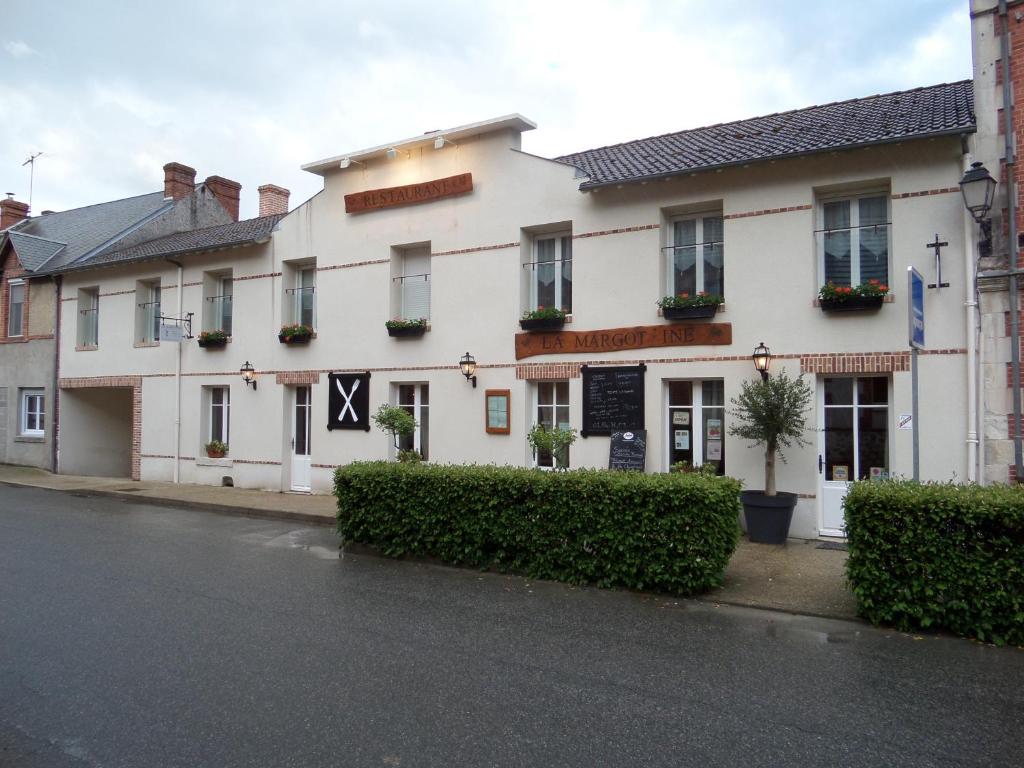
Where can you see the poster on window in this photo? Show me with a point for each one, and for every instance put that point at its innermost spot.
(681, 418)
(348, 402)
(714, 450)
(714, 429)
(682, 440)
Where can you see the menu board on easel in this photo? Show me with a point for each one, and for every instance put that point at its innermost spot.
(613, 399)
(628, 450)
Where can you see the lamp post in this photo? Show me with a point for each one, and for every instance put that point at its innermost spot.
(468, 366)
(762, 359)
(978, 189)
(248, 374)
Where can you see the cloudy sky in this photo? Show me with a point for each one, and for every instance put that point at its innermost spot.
(110, 90)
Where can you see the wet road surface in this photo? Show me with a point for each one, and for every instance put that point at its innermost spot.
(133, 635)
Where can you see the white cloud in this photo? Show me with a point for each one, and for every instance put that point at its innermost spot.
(19, 49)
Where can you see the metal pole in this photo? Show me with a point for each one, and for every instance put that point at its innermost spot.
(913, 413)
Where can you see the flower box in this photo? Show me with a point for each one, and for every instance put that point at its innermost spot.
(689, 313)
(214, 343)
(408, 331)
(542, 324)
(851, 304)
(296, 338)
(212, 454)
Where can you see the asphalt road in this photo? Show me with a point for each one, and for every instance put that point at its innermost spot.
(133, 635)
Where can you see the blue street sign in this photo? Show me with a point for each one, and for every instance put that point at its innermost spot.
(915, 289)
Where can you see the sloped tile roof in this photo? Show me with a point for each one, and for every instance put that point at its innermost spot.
(32, 251)
(210, 238)
(83, 230)
(932, 111)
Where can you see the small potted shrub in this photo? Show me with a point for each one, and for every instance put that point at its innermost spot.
(543, 319)
(400, 328)
(397, 422)
(216, 449)
(683, 306)
(554, 440)
(295, 334)
(213, 339)
(771, 412)
(845, 298)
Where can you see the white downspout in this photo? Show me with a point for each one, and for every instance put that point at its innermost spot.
(177, 383)
(971, 325)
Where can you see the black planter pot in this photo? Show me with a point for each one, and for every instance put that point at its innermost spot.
(406, 332)
(768, 517)
(213, 343)
(303, 339)
(689, 313)
(852, 304)
(544, 324)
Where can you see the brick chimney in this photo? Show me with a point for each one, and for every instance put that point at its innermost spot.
(227, 193)
(11, 211)
(179, 181)
(273, 200)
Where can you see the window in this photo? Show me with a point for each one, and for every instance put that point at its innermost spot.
(853, 240)
(16, 308)
(551, 272)
(411, 277)
(856, 428)
(415, 400)
(696, 423)
(553, 411)
(88, 317)
(695, 255)
(147, 312)
(33, 413)
(219, 289)
(220, 414)
(300, 304)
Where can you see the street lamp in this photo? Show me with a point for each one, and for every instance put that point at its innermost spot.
(979, 189)
(248, 374)
(468, 366)
(762, 359)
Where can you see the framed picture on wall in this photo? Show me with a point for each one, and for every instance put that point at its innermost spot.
(497, 403)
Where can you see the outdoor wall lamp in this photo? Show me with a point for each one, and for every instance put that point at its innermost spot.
(762, 359)
(979, 189)
(440, 141)
(392, 153)
(248, 374)
(468, 366)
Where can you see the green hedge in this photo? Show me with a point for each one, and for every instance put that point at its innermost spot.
(672, 533)
(932, 555)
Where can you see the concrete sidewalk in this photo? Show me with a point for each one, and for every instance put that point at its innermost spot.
(797, 578)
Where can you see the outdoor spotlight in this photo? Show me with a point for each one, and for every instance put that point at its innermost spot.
(345, 162)
(248, 374)
(440, 141)
(468, 366)
(392, 153)
(762, 359)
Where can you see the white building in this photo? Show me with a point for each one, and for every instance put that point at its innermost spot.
(463, 228)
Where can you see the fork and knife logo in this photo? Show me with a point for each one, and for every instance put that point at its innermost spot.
(347, 407)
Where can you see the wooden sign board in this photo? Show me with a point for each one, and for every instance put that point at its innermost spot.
(628, 450)
(613, 399)
(423, 192)
(616, 339)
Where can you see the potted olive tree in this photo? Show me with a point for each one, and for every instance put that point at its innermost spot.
(554, 441)
(397, 422)
(773, 413)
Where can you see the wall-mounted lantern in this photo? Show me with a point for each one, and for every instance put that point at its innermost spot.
(762, 359)
(248, 374)
(468, 366)
(979, 190)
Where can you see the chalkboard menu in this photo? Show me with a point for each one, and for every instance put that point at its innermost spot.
(613, 399)
(629, 450)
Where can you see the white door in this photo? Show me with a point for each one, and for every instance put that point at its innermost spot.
(854, 442)
(301, 412)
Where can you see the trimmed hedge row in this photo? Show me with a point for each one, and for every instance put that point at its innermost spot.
(934, 555)
(672, 533)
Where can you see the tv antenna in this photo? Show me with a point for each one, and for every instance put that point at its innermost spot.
(32, 175)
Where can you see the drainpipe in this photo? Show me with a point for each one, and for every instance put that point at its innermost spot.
(1012, 251)
(971, 324)
(58, 282)
(177, 380)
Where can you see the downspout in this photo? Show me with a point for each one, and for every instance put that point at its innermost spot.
(58, 283)
(1010, 159)
(971, 325)
(177, 379)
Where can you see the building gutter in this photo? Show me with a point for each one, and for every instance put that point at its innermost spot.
(177, 379)
(973, 330)
(58, 283)
(1013, 248)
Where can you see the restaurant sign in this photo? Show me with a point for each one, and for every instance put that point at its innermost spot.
(615, 339)
(423, 192)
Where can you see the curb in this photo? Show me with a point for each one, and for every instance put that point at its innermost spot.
(204, 506)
